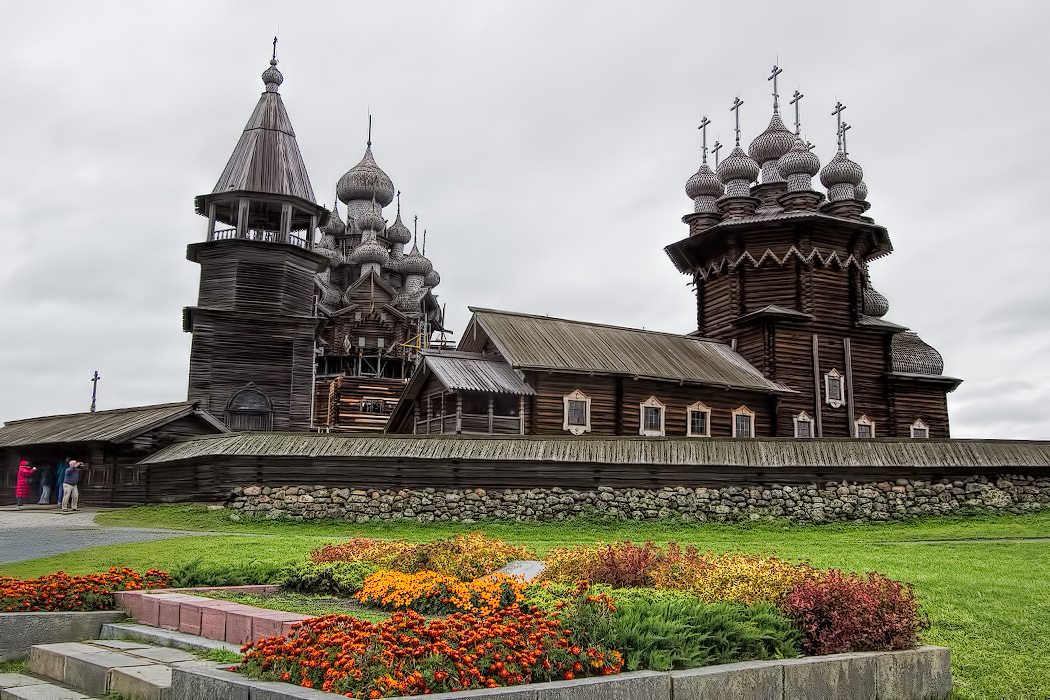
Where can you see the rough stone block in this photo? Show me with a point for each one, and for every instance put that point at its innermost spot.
(149, 610)
(44, 691)
(49, 660)
(20, 631)
(190, 618)
(202, 683)
(213, 623)
(755, 680)
(141, 682)
(924, 672)
(831, 677)
(270, 623)
(89, 672)
(16, 680)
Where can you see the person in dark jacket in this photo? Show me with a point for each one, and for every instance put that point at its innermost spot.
(22, 483)
(60, 477)
(70, 492)
(47, 484)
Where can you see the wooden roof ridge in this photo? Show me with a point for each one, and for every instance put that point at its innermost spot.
(107, 411)
(775, 311)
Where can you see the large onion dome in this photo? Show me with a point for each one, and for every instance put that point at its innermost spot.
(272, 77)
(413, 263)
(841, 176)
(738, 171)
(371, 221)
(798, 166)
(910, 354)
(769, 146)
(360, 181)
(334, 226)
(432, 279)
(398, 232)
(369, 252)
(874, 304)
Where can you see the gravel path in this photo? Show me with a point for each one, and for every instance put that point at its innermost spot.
(41, 531)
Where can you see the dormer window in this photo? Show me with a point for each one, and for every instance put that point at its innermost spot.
(743, 422)
(920, 430)
(864, 427)
(803, 425)
(834, 388)
(651, 417)
(699, 421)
(577, 413)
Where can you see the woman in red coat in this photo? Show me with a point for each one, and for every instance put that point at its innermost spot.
(22, 484)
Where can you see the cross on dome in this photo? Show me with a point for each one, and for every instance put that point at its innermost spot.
(794, 101)
(715, 149)
(837, 113)
(736, 108)
(703, 130)
(776, 97)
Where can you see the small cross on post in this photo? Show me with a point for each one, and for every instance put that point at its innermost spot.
(275, 48)
(703, 130)
(715, 149)
(837, 113)
(842, 132)
(794, 101)
(776, 97)
(369, 128)
(736, 108)
(94, 389)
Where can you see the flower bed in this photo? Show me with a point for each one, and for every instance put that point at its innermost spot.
(60, 591)
(431, 592)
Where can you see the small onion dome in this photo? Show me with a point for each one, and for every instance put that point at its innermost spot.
(334, 226)
(371, 221)
(272, 77)
(432, 279)
(360, 181)
(413, 263)
(874, 303)
(398, 232)
(409, 301)
(738, 171)
(328, 248)
(369, 252)
(910, 354)
(798, 166)
(861, 191)
(770, 145)
(704, 183)
(841, 176)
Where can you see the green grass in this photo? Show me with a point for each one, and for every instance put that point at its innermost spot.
(982, 579)
(302, 604)
(15, 665)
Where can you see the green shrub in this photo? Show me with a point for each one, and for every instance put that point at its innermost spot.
(343, 578)
(197, 574)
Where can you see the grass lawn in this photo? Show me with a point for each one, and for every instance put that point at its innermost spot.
(982, 579)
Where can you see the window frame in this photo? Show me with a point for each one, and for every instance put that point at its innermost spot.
(834, 375)
(919, 425)
(698, 407)
(654, 403)
(803, 417)
(576, 429)
(863, 420)
(744, 411)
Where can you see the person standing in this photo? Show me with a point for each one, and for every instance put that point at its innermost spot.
(60, 476)
(22, 484)
(70, 492)
(47, 482)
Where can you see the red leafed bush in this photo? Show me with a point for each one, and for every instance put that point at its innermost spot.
(624, 564)
(848, 612)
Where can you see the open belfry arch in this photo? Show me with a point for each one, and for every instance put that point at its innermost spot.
(781, 272)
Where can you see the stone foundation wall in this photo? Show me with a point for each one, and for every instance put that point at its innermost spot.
(801, 503)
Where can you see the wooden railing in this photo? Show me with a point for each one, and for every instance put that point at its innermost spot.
(469, 424)
(263, 236)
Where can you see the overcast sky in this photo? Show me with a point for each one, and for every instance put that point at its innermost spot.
(544, 145)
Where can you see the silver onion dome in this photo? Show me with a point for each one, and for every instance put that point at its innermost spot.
(738, 171)
(334, 226)
(874, 304)
(861, 191)
(769, 146)
(413, 263)
(272, 77)
(432, 279)
(910, 354)
(364, 179)
(798, 166)
(371, 221)
(398, 232)
(704, 183)
(328, 248)
(369, 252)
(409, 301)
(841, 176)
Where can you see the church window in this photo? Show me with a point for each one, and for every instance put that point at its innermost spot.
(743, 422)
(372, 406)
(651, 417)
(249, 409)
(865, 427)
(834, 388)
(920, 430)
(577, 413)
(803, 425)
(699, 424)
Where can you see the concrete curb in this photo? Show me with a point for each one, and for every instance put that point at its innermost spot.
(923, 673)
(19, 631)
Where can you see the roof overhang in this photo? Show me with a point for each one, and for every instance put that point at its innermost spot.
(949, 383)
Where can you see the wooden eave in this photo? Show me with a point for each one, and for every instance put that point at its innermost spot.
(950, 383)
(193, 249)
(774, 313)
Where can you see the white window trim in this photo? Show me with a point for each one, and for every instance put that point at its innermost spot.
(919, 425)
(651, 402)
(744, 411)
(804, 418)
(576, 429)
(698, 406)
(863, 420)
(834, 374)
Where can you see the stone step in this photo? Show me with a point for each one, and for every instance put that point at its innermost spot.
(19, 686)
(156, 636)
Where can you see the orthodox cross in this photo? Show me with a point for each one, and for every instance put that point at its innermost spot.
(715, 149)
(415, 230)
(703, 130)
(842, 132)
(369, 128)
(275, 48)
(424, 241)
(736, 108)
(776, 97)
(837, 113)
(399, 201)
(94, 389)
(794, 101)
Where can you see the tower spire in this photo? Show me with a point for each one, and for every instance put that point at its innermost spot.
(736, 108)
(794, 101)
(703, 130)
(837, 113)
(776, 97)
